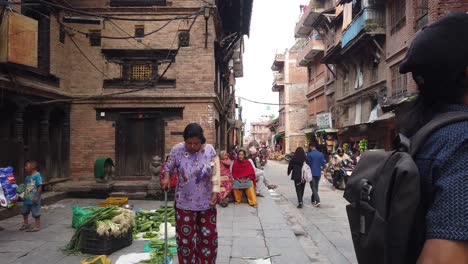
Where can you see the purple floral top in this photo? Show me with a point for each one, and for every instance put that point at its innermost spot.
(194, 188)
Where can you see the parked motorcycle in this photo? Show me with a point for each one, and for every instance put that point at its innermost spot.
(288, 157)
(340, 179)
(263, 157)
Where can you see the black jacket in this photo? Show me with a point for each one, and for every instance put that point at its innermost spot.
(296, 169)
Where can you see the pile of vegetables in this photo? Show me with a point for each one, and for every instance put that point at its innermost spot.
(149, 221)
(157, 256)
(108, 221)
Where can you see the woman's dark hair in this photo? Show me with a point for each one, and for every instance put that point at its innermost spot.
(244, 151)
(194, 130)
(299, 156)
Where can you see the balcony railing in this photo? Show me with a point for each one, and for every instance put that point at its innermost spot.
(368, 21)
(311, 48)
(278, 63)
(304, 25)
(278, 81)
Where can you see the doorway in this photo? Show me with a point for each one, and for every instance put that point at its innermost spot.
(139, 137)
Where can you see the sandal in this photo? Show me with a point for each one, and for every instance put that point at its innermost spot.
(35, 229)
(272, 187)
(25, 227)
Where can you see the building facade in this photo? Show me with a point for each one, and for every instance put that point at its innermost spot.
(363, 44)
(260, 132)
(290, 81)
(123, 86)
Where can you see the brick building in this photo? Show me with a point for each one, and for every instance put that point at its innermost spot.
(363, 45)
(290, 81)
(137, 78)
(260, 132)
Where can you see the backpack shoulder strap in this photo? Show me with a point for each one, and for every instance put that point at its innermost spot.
(436, 123)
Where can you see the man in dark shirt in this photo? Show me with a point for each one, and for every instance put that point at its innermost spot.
(438, 61)
(317, 163)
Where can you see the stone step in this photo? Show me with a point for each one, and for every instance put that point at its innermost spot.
(130, 195)
(47, 198)
(130, 186)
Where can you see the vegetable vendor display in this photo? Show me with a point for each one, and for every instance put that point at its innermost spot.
(108, 222)
(149, 221)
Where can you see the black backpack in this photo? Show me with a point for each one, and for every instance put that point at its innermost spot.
(386, 214)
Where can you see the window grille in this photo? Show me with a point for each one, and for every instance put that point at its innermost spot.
(141, 72)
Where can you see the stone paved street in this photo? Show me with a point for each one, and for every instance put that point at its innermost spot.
(309, 235)
(326, 237)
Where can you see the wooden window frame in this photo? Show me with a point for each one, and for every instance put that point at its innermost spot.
(345, 88)
(399, 81)
(421, 13)
(95, 39)
(346, 113)
(139, 31)
(397, 15)
(137, 3)
(62, 34)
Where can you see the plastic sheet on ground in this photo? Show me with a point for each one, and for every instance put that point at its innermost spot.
(265, 260)
(133, 258)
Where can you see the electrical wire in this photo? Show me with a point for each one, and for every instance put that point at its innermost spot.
(130, 37)
(86, 57)
(263, 103)
(102, 96)
(73, 10)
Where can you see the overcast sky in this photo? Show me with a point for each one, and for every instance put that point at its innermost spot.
(272, 29)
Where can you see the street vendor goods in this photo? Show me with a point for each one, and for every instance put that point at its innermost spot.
(149, 221)
(8, 195)
(106, 226)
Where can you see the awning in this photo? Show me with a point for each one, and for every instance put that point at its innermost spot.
(385, 116)
(328, 130)
(279, 136)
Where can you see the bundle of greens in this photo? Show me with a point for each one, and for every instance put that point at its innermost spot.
(108, 221)
(157, 256)
(150, 221)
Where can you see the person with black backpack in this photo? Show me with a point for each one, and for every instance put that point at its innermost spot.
(410, 205)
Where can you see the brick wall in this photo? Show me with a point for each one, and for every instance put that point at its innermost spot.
(91, 138)
(398, 42)
(192, 63)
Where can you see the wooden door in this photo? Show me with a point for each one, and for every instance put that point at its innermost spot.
(139, 138)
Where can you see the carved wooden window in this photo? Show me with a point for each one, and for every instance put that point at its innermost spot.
(62, 34)
(141, 72)
(184, 38)
(139, 31)
(95, 38)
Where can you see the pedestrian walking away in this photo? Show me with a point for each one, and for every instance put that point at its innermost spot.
(196, 196)
(317, 164)
(298, 174)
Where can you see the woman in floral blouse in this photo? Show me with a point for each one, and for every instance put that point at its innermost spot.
(196, 196)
